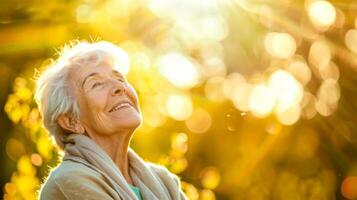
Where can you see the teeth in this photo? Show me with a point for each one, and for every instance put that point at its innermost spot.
(120, 106)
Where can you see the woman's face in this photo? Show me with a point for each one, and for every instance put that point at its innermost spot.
(108, 104)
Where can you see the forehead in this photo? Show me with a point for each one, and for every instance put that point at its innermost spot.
(78, 72)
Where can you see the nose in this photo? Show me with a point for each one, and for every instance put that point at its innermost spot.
(117, 89)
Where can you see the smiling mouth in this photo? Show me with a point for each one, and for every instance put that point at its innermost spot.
(120, 106)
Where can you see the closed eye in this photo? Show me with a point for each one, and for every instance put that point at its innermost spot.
(121, 79)
(97, 84)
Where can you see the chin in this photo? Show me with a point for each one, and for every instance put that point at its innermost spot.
(132, 123)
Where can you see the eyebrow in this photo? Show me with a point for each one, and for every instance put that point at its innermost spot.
(95, 74)
(90, 75)
(117, 73)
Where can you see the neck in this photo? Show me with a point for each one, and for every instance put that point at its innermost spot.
(116, 146)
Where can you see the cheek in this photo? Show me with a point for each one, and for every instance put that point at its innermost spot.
(95, 113)
(97, 99)
(94, 103)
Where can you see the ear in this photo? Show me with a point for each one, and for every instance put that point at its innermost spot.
(70, 124)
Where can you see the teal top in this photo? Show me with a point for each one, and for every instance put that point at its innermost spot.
(136, 191)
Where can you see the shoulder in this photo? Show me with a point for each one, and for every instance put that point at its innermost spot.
(157, 168)
(166, 175)
(68, 168)
(163, 172)
(70, 180)
(69, 172)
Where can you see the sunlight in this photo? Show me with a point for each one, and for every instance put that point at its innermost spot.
(261, 101)
(240, 96)
(179, 107)
(178, 70)
(286, 89)
(322, 13)
(280, 45)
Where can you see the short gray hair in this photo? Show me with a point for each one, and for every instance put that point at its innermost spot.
(54, 95)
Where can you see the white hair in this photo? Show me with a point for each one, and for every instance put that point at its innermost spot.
(54, 94)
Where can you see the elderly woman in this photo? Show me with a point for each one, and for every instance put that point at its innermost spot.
(92, 111)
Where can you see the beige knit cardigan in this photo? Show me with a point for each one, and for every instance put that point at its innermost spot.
(87, 172)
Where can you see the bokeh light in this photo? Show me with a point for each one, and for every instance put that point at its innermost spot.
(210, 177)
(330, 71)
(351, 40)
(319, 54)
(240, 96)
(280, 45)
(179, 143)
(14, 149)
(200, 121)
(179, 106)
(84, 13)
(308, 106)
(206, 194)
(348, 187)
(287, 90)
(36, 159)
(214, 89)
(289, 116)
(322, 13)
(231, 82)
(261, 101)
(300, 71)
(328, 96)
(179, 70)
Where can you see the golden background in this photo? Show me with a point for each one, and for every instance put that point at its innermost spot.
(243, 99)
